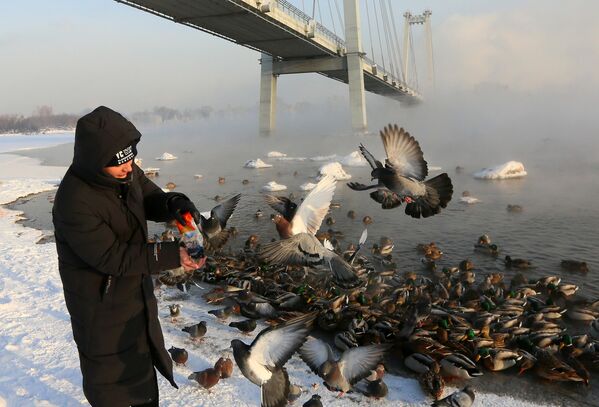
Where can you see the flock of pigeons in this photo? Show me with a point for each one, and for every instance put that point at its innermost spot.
(439, 327)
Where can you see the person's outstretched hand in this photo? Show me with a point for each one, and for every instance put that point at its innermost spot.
(180, 204)
(188, 263)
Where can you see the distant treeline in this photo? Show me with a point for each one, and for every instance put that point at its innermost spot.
(161, 114)
(42, 120)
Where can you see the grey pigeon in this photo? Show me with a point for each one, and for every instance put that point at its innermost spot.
(460, 398)
(341, 374)
(402, 176)
(304, 249)
(197, 331)
(262, 362)
(213, 223)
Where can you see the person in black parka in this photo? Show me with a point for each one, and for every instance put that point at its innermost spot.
(99, 215)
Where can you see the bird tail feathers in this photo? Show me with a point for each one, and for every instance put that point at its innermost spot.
(438, 194)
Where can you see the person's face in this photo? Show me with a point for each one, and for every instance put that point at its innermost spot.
(119, 171)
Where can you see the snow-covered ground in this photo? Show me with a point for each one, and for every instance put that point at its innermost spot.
(38, 360)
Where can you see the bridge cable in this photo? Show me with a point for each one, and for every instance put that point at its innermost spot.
(394, 43)
(376, 18)
(396, 40)
(370, 34)
(332, 18)
(415, 75)
(386, 30)
(320, 13)
(313, 8)
(340, 18)
(303, 7)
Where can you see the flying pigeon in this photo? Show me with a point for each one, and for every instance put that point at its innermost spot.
(307, 217)
(213, 223)
(341, 374)
(401, 179)
(262, 362)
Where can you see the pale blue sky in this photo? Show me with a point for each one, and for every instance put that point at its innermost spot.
(76, 54)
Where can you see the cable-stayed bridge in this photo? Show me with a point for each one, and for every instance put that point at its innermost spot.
(292, 41)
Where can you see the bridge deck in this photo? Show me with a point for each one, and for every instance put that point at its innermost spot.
(281, 32)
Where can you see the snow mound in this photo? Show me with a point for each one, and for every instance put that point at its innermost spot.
(257, 163)
(166, 157)
(272, 186)
(434, 168)
(276, 154)
(511, 169)
(354, 159)
(307, 186)
(335, 169)
(469, 200)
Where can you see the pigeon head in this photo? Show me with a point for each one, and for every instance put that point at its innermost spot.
(376, 173)
(327, 369)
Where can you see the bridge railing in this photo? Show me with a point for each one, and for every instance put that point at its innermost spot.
(392, 77)
(304, 18)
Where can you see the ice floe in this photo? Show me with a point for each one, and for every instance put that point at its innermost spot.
(510, 169)
(276, 154)
(166, 157)
(353, 159)
(272, 186)
(257, 163)
(335, 169)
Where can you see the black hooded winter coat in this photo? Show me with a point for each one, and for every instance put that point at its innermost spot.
(105, 264)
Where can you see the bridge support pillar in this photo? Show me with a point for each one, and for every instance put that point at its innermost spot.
(355, 65)
(268, 94)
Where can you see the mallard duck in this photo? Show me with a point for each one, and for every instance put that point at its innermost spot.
(488, 249)
(433, 382)
(562, 289)
(574, 265)
(466, 265)
(582, 314)
(594, 329)
(549, 367)
(419, 362)
(516, 263)
(497, 359)
(459, 366)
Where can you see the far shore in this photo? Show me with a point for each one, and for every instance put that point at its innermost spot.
(41, 132)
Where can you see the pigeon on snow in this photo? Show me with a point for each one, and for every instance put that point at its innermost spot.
(263, 361)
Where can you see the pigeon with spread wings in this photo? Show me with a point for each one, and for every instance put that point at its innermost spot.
(213, 223)
(263, 361)
(341, 374)
(308, 216)
(402, 178)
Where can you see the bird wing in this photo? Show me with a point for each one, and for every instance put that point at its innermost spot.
(302, 249)
(403, 153)
(314, 353)
(224, 211)
(274, 345)
(363, 237)
(374, 163)
(343, 272)
(309, 215)
(356, 363)
(283, 205)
